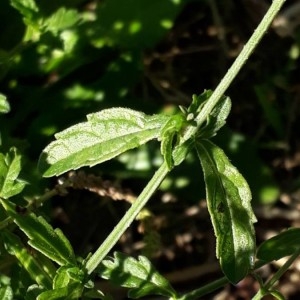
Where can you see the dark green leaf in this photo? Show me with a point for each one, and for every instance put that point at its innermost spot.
(10, 167)
(4, 105)
(170, 132)
(198, 101)
(138, 275)
(66, 275)
(216, 119)
(105, 135)
(71, 292)
(281, 245)
(228, 200)
(36, 271)
(52, 243)
(33, 292)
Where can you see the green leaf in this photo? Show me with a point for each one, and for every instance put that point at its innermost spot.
(27, 8)
(6, 293)
(61, 19)
(228, 200)
(71, 292)
(10, 167)
(36, 271)
(4, 105)
(52, 243)
(281, 245)
(138, 275)
(105, 135)
(216, 119)
(170, 131)
(33, 292)
(67, 275)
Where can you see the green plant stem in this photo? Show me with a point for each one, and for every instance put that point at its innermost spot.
(236, 66)
(128, 218)
(276, 276)
(210, 287)
(160, 174)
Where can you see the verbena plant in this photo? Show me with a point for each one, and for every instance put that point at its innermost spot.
(56, 272)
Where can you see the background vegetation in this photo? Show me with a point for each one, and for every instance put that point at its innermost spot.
(61, 60)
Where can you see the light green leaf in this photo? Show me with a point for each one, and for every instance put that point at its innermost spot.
(67, 275)
(27, 8)
(36, 271)
(216, 119)
(51, 242)
(138, 275)
(71, 292)
(4, 105)
(62, 19)
(279, 246)
(33, 292)
(105, 135)
(10, 167)
(229, 204)
(6, 293)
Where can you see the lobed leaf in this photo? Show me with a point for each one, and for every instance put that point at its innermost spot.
(138, 275)
(51, 242)
(279, 246)
(105, 135)
(10, 167)
(228, 200)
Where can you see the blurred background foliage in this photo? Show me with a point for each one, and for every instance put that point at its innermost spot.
(60, 60)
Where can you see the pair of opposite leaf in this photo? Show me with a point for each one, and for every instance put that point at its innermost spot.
(111, 132)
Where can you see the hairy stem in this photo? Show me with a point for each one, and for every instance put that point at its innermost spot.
(160, 174)
(128, 218)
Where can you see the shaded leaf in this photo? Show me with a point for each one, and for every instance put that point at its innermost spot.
(228, 201)
(51, 242)
(67, 275)
(105, 135)
(168, 133)
(36, 271)
(4, 105)
(33, 292)
(279, 246)
(138, 275)
(71, 292)
(10, 167)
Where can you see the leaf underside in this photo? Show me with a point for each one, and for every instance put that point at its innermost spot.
(228, 201)
(279, 246)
